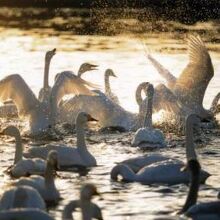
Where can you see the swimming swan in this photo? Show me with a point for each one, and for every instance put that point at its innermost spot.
(189, 88)
(24, 213)
(67, 155)
(44, 93)
(89, 210)
(41, 115)
(44, 185)
(167, 171)
(207, 210)
(147, 136)
(21, 197)
(23, 166)
(106, 112)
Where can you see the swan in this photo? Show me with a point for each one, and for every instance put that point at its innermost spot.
(189, 88)
(21, 197)
(67, 155)
(89, 210)
(44, 185)
(105, 111)
(9, 109)
(86, 67)
(207, 210)
(147, 136)
(41, 115)
(23, 214)
(23, 166)
(44, 93)
(167, 171)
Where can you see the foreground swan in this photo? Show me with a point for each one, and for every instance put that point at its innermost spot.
(147, 136)
(208, 210)
(44, 93)
(67, 155)
(22, 166)
(24, 214)
(167, 171)
(89, 210)
(21, 197)
(45, 186)
(41, 115)
(107, 113)
(189, 89)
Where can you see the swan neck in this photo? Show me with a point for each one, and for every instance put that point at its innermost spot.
(80, 133)
(49, 175)
(148, 115)
(86, 208)
(138, 97)
(19, 148)
(69, 209)
(107, 84)
(194, 186)
(190, 149)
(46, 72)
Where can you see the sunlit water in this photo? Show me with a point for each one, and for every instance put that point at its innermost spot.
(24, 54)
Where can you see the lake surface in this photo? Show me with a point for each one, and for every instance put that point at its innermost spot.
(23, 52)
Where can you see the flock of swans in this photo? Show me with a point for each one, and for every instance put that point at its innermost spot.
(34, 168)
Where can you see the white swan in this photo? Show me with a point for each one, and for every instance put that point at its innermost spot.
(167, 171)
(23, 166)
(21, 197)
(189, 88)
(44, 93)
(23, 214)
(89, 210)
(67, 155)
(207, 210)
(44, 185)
(107, 113)
(41, 115)
(147, 136)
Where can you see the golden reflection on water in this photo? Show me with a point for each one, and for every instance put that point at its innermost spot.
(23, 53)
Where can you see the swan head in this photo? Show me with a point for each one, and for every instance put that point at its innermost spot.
(52, 159)
(49, 54)
(110, 72)
(88, 191)
(87, 67)
(11, 131)
(83, 118)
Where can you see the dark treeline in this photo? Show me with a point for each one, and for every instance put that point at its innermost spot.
(187, 11)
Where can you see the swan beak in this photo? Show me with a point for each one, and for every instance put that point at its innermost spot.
(90, 118)
(54, 51)
(113, 74)
(94, 67)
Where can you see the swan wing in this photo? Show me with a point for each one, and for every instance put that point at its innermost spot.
(14, 87)
(68, 83)
(169, 77)
(193, 81)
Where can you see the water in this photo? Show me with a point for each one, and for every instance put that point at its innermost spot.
(23, 53)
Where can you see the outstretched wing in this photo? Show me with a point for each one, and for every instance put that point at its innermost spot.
(15, 88)
(171, 80)
(68, 83)
(190, 87)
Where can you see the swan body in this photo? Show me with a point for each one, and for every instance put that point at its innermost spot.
(8, 111)
(44, 185)
(41, 115)
(67, 155)
(137, 163)
(89, 210)
(21, 197)
(23, 166)
(189, 88)
(26, 213)
(147, 135)
(104, 110)
(167, 171)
